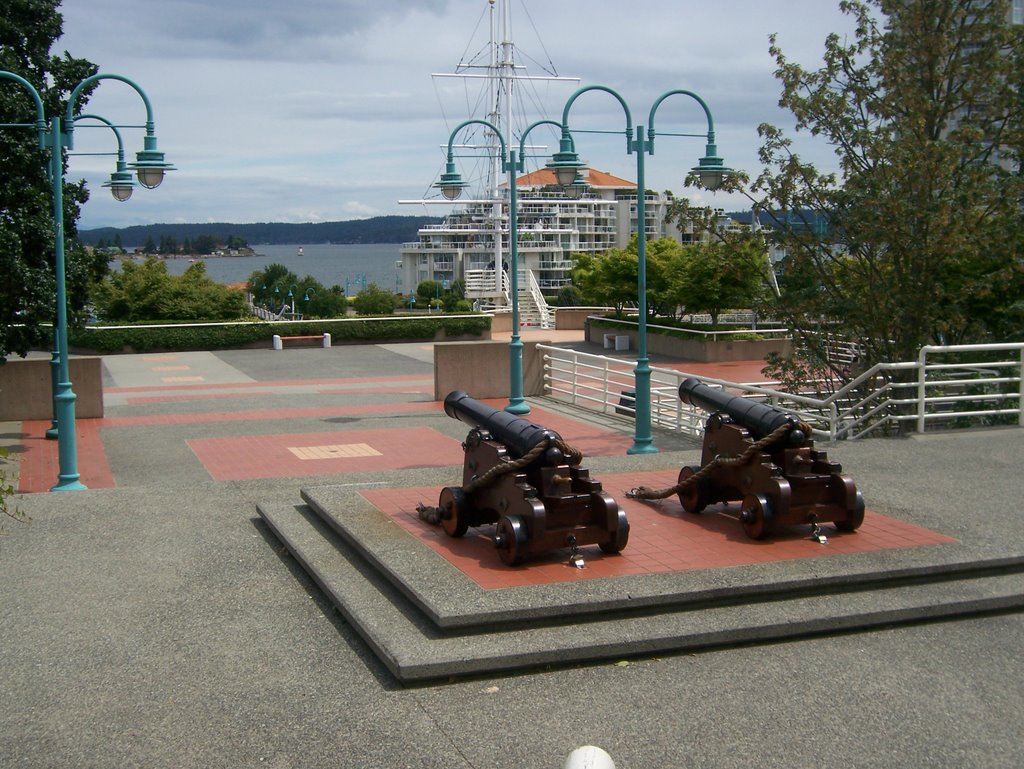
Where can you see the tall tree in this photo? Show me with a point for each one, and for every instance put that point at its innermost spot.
(918, 238)
(28, 31)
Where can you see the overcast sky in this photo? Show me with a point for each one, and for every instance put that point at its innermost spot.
(323, 110)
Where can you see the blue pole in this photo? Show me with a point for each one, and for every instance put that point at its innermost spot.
(643, 439)
(516, 403)
(54, 369)
(67, 479)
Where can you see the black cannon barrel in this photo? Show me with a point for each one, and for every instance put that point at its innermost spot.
(519, 435)
(759, 419)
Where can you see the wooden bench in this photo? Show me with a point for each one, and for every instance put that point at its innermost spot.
(280, 340)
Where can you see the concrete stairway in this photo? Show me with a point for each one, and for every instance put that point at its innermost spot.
(426, 620)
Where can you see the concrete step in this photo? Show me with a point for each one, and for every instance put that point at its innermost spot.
(414, 647)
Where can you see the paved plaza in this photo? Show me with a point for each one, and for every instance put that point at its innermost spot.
(156, 619)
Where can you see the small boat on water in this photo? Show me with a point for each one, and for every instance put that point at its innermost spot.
(300, 251)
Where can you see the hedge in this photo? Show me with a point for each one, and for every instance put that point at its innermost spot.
(219, 336)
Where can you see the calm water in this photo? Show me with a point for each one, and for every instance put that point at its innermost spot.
(329, 264)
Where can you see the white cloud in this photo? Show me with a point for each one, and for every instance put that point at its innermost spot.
(324, 109)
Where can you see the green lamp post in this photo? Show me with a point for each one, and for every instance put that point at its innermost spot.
(121, 187)
(451, 186)
(711, 171)
(150, 165)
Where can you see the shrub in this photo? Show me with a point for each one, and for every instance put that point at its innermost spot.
(150, 338)
(374, 300)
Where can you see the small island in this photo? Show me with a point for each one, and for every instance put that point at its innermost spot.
(201, 247)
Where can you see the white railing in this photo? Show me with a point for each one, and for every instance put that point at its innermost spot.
(480, 283)
(942, 388)
(712, 336)
(951, 388)
(264, 314)
(527, 280)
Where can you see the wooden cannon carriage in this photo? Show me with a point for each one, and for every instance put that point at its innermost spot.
(785, 481)
(526, 480)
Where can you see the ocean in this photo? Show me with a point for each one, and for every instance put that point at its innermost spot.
(328, 263)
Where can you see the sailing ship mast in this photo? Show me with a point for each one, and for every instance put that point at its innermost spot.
(502, 75)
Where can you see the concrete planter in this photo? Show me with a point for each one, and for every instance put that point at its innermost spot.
(26, 390)
(720, 351)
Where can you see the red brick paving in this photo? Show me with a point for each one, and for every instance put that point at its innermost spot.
(39, 460)
(662, 538)
(268, 383)
(412, 389)
(269, 456)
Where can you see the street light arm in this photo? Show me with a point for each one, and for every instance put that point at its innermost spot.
(120, 184)
(40, 124)
(150, 163)
(478, 121)
(69, 122)
(520, 164)
(112, 127)
(606, 89)
(451, 184)
(681, 92)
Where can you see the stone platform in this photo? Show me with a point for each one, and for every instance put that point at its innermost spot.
(433, 607)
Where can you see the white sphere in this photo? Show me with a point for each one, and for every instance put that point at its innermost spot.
(589, 757)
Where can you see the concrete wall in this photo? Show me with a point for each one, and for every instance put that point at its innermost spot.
(482, 369)
(692, 349)
(26, 390)
(501, 322)
(572, 318)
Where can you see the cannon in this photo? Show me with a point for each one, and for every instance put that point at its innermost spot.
(525, 479)
(784, 481)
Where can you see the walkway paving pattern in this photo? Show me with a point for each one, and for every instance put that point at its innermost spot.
(154, 620)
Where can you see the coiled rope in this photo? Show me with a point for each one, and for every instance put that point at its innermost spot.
(645, 493)
(432, 515)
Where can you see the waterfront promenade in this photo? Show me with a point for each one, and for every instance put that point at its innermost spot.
(155, 620)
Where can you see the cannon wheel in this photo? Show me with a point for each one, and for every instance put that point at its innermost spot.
(621, 537)
(855, 517)
(455, 518)
(510, 539)
(694, 498)
(756, 516)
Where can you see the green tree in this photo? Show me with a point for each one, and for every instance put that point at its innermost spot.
(322, 302)
(28, 31)
(168, 245)
(609, 279)
(146, 292)
(569, 296)
(374, 300)
(455, 298)
(665, 261)
(428, 290)
(721, 275)
(917, 239)
(204, 244)
(263, 282)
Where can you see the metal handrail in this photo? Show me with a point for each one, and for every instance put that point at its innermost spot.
(872, 401)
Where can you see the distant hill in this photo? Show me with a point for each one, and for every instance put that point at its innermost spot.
(379, 229)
